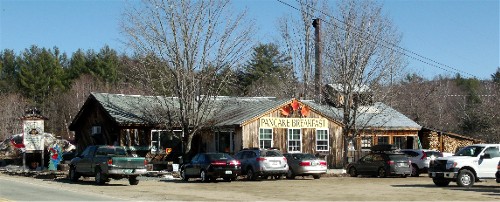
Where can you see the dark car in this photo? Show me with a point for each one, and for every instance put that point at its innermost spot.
(381, 163)
(302, 164)
(497, 174)
(210, 166)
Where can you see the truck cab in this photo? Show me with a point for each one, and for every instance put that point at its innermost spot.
(469, 165)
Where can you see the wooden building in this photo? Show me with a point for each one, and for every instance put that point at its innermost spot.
(444, 141)
(290, 125)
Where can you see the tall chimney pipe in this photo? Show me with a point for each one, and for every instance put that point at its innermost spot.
(317, 71)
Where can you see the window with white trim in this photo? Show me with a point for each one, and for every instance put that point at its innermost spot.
(265, 138)
(322, 140)
(366, 143)
(294, 140)
(382, 140)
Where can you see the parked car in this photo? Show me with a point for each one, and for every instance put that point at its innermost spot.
(497, 174)
(210, 166)
(420, 159)
(381, 162)
(107, 162)
(301, 164)
(257, 162)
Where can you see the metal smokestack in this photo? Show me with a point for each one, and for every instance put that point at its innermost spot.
(317, 71)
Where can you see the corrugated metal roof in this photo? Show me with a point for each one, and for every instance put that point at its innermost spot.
(135, 109)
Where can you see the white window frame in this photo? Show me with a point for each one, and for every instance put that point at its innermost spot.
(96, 130)
(288, 140)
(366, 145)
(327, 139)
(260, 139)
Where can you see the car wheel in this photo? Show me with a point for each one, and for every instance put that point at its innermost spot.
(290, 174)
(382, 173)
(183, 175)
(465, 178)
(440, 182)
(251, 174)
(100, 178)
(278, 177)
(227, 179)
(203, 176)
(73, 175)
(133, 180)
(353, 172)
(404, 175)
(414, 170)
(317, 176)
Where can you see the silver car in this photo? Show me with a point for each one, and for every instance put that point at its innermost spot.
(302, 164)
(265, 163)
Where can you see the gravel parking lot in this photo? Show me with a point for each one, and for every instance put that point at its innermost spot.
(301, 189)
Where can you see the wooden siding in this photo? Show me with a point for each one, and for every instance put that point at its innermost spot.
(250, 138)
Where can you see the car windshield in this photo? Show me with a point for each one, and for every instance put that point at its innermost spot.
(271, 153)
(219, 156)
(473, 151)
(303, 156)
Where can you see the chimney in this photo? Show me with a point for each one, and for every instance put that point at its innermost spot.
(317, 71)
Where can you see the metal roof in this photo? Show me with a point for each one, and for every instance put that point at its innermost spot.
(230, 111)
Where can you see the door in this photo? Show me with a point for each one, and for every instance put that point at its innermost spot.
(85, 163)
(189, 168)
(224, 143)
(364, 164)
(488, 162)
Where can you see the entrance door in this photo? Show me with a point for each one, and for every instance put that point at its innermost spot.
(224, 142)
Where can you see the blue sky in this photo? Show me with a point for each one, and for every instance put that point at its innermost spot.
(461, 34)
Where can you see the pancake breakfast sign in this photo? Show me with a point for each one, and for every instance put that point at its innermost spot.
(272, 122)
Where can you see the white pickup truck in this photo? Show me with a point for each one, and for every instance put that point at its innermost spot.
(470, 164)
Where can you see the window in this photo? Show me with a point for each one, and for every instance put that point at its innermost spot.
(294, 140)
(322, 140)
(163, 139)
(399, 142)
(383, 140)
(366, 143)
(265, 138)
(96, 130)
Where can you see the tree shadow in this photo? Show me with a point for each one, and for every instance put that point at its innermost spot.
(487, 189)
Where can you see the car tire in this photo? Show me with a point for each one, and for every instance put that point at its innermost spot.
(100, 178)
(278, 177)
(441, 182)
(227, 179)
(414, 170)
(204, 177)
(133, 180)
(290, 175)
(382, 173)
(353, 172)
(251, 174)
(73, 175)
(183, 175)
(465, 178)
(317, 176)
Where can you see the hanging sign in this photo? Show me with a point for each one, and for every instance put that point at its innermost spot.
(33, 135)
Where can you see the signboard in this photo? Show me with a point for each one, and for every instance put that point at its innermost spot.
(273, 122)
(33, 135)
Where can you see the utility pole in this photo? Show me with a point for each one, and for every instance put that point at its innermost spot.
(317, 71)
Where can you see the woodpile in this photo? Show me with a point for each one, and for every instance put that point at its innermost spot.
(447, 142)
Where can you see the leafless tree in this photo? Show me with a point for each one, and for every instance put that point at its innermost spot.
(360, 47)
(297, 35)
(187, 46)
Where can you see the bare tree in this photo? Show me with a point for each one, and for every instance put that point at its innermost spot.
(360, 47)
(188, 46)
(297, 35)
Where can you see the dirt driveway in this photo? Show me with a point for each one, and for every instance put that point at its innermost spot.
(325, 189)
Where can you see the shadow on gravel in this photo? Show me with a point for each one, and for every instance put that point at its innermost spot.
(491, 190)
(87, 182)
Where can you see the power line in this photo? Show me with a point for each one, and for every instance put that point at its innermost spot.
(408, 53)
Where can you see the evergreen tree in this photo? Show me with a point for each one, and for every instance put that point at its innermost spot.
(268, 68)
(104, 64)
(8, 71)
(40, 73)
(496, 76)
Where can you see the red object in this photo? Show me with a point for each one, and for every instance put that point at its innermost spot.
(295, 105)
(304, 163)
(390, 162)
(218, 163)
(110, 162)
(304, 111)
(424, 156)
(235, 163)
(261, 159)
(285, 111)
(16, 145)
(323, 163)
